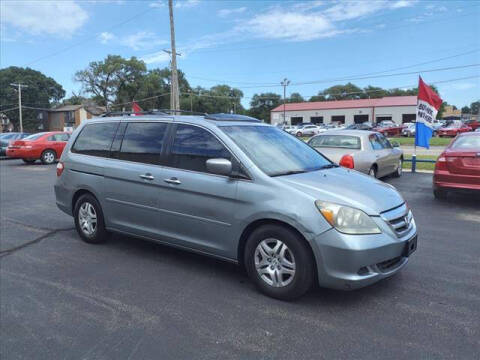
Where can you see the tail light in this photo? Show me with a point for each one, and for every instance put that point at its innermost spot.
(441, 163)
(347, 161)
(60, 168)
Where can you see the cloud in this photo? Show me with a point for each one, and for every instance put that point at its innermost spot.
(58, 18)
(403, 3)
(157, 57)
(227, 12)
(142, 40)
(177, 4)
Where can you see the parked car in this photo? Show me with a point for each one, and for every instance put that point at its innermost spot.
(474, 124)
(388, 128)
(237, 189)
(365, 151)
(306, 130)
(363, 126)
(409, 129)
(46, 146)
(453, 129)
(7, 138)
(458, 166)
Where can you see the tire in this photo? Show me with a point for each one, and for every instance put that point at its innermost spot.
(440, 194)
(28, 161)
(373, 171)
(399, 170)
(293, 253)
(48, 157)
(299, 134)
(90, 231)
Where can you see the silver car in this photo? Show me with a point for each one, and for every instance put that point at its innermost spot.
(234, 188)
(306, 130)
(365, 151)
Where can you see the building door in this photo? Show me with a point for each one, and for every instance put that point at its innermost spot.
(339, 119)
(408, 118)
(382, 118)
(296, 120)
(316, 119)
(359, 119)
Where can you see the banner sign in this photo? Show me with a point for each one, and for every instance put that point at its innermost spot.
(428, 103)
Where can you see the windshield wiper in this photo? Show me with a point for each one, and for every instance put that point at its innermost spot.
(291, 172)
(328, 166)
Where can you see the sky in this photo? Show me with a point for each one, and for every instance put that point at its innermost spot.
(253, 45)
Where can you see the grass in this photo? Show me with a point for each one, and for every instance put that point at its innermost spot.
(420, 165)
(434, 141)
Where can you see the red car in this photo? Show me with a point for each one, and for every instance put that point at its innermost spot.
(458, 167)
(389, 128)
(474, 124)
(46, 146)
(453, 129)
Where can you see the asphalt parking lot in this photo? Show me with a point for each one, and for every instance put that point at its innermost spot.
(130, 299)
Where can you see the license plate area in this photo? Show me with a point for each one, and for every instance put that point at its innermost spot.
(410, 246)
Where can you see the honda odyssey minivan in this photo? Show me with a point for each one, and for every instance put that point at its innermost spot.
(234, 188)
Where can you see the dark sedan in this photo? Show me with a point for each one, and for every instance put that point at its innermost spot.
(7, 138)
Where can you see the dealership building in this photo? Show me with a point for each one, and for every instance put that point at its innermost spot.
(400, 109)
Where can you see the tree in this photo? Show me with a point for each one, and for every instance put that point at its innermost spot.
(113, 79)
(474, 107)
(295, 98)
(465, 110)
(42, 92)
(262, 104)
(75, 99)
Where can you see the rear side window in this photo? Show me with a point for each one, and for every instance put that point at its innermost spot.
(376, 144)
(193, 146)
(143, 142)
(95, 139)
(336, 141)
(467, 142)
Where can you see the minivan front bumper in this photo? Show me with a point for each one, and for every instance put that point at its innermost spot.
(353, 261)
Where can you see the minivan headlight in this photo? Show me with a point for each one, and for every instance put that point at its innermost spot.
(346, 219)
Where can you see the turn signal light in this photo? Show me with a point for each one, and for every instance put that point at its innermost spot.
(347, 161)
(60, 168)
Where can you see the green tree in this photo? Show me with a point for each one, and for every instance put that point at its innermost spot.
(465, 110)
(75, 99)
(262, 104)
(295, 98)
(474, 106)
(114, 79)
(41, 92)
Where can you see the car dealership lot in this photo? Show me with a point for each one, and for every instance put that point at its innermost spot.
(62, 298)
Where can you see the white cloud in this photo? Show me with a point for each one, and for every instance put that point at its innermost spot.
(59, 18)
(403, 3)
(157, 57)
(106, 37)
(142, 40)
(227, 12)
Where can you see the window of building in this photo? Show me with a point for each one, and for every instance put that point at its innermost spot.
(193, 146)
(95, 139)
(143, 142)
(408, 118)
(296, 120)
(340, 119)
(69, 119)
(316, 119)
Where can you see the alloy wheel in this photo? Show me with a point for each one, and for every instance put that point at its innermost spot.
(274, 262)
(87, 218)
(49, 157)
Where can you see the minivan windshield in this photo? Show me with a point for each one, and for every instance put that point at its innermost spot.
(274, 151)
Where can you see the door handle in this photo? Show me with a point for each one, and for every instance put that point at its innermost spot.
(173, 180)
(147, 177)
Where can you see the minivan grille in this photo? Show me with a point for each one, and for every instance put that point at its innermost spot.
(399, 219)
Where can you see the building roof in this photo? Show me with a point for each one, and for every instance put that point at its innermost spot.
(348, 104)
(67, 108)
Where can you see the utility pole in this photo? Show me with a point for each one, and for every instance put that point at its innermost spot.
(20, 86)
(175, 96)
(284, 83)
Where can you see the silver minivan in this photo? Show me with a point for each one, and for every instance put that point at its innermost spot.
(232, 187)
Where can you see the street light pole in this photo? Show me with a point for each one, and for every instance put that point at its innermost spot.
(175, 97)
(20, 103)
(284, 83)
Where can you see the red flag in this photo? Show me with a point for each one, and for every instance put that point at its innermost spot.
(136, 108)
(427, 94)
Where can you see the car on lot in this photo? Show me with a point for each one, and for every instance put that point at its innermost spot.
(409, 129)
(388, 128)
(365, 151)
(7, 138)
(458, 166)
(363, 126)
(474, 124)
(44, 146)
(306, 130)
(232, 187)
(453, 129)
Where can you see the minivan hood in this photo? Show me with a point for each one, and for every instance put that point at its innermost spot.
(346, 187)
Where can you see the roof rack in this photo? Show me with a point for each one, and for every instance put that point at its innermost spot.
(230, 117)
(173, 111)
(133, 113)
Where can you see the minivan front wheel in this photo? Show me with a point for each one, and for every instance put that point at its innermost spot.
(89, 220)
(279, 262)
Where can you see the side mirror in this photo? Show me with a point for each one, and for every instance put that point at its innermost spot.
(395, 144)
(219, 166)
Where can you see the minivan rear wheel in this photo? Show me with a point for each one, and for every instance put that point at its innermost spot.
(279, 262)
(89, 220)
